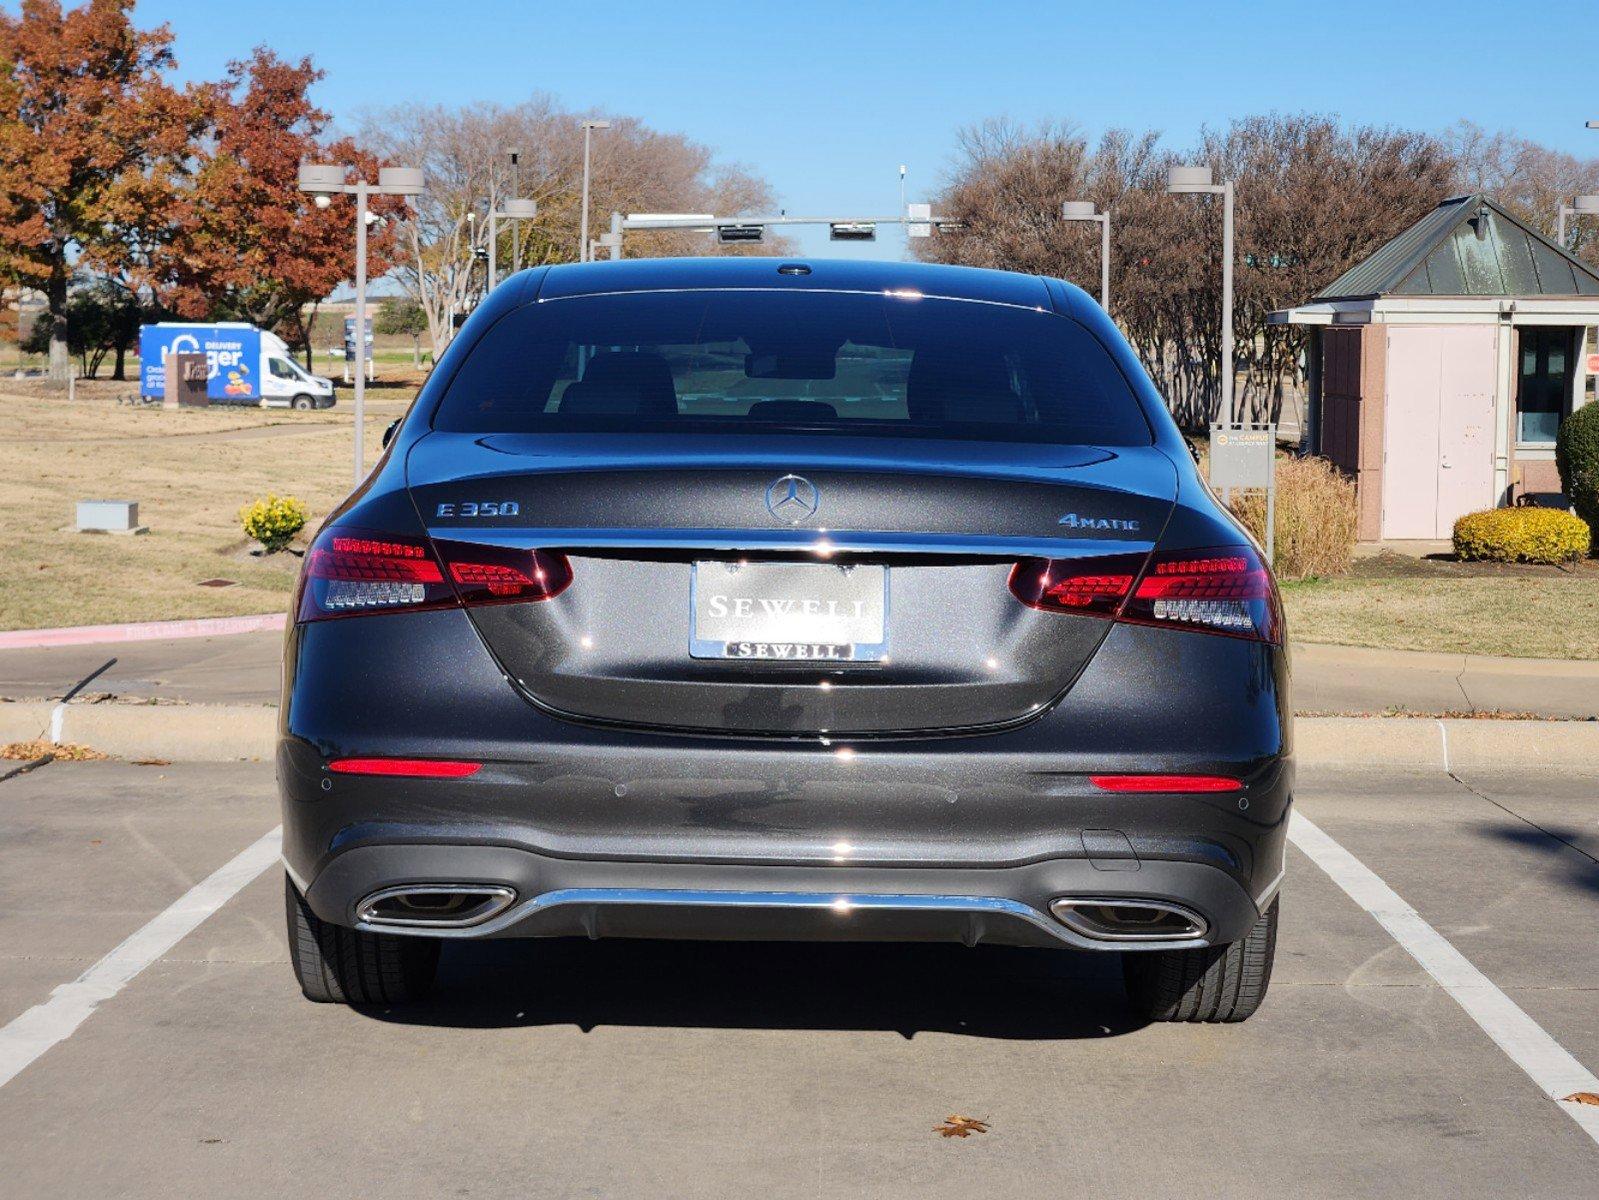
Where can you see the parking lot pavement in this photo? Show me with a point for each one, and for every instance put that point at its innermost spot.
(654, 1069)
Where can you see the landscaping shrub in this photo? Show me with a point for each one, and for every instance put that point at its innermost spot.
(273, 520)
(1316, 518)
(1534, 535)
(1577, 456)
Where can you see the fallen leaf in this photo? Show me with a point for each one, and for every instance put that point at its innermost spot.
(956, 1125)
(1582, 1098)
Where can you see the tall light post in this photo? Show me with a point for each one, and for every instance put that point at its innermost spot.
(1579, 206)
(513, 211)
(1181, 180)
(1083, 210)
(324, 181)
(589, 126)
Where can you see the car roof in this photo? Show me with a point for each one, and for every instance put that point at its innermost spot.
(820, 274)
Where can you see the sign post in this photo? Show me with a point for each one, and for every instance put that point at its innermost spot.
(1244, 456)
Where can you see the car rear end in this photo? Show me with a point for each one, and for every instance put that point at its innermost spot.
(716, 601)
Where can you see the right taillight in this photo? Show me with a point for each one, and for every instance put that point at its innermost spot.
(349, 572)
(1223, 590)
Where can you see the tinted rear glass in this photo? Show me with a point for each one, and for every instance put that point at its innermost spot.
(751, 361)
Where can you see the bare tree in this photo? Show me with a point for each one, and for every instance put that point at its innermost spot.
(1529, 179)
(1312, 199)
(462, 152)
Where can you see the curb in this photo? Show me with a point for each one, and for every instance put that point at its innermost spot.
(177, 732)
(142, 631)
(230, 732)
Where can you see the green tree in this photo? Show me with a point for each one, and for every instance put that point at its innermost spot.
(403, 316)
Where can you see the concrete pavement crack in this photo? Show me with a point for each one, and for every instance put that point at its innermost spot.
(1527, 821)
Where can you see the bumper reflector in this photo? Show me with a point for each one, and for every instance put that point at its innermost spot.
(426, 768)
(1165, 783)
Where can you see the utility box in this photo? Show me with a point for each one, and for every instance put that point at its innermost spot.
(108, 516)
(186, 384)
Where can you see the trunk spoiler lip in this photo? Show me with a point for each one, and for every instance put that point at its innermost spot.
(824, 544)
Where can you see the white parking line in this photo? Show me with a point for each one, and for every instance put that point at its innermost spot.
(1546, 1062)
(43, 1025)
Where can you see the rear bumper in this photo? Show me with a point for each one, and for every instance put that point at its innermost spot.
(613, 832)
(554, 897)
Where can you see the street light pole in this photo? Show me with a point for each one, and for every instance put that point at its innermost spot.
(1180, 180)
(1580, 206)
(323, 181)
(589, 126)
(516, 211)
(1083, 210)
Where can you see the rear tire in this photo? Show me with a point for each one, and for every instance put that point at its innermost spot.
(350, 966)
(1212, 984)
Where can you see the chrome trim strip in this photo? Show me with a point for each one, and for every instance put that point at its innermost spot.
(822, 542)
(1062, 909)
(841, 902)
(497, 899)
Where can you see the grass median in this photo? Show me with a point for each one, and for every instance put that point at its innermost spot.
(1400, 603)
(190, 471)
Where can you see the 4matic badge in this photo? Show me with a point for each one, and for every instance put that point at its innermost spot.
(1072, 520)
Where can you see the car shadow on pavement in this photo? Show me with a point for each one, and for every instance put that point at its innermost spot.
(987, 992)
(1563, 844)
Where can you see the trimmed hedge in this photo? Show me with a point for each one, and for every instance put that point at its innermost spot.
(1534, 535)
(1577, 456)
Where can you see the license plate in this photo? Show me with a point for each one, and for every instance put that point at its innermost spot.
(798, 612)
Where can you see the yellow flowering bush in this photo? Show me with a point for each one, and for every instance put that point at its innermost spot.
(273, 520)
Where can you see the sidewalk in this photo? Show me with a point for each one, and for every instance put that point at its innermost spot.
(1328, 680)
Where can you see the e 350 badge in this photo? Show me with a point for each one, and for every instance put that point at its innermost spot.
(478, 508)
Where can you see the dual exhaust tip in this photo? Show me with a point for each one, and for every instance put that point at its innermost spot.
(463, 905)
(1122, 920)
(434, 906)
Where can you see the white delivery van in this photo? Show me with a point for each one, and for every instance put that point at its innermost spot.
(244, 365)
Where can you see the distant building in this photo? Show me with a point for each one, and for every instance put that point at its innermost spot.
(1441, 367)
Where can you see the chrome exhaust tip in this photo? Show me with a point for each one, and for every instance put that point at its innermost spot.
(434, 905)
(1119, 919)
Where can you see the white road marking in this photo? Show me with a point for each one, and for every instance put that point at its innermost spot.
(43, 1025)
(1546, 1062)
(1443, 736)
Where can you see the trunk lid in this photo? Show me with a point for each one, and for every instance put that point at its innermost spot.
(935, 527)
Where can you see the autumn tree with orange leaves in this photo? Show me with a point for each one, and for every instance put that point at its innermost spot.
(93, 142)
(251, 246)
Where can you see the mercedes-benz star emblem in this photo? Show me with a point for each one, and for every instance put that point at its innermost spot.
(793, 498)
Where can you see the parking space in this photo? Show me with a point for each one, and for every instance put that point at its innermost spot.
(655, 1069)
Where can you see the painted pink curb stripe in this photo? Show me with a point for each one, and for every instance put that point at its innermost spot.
(146, 631)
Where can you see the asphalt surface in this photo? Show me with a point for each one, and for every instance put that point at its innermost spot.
(623, 1069)
(1328, 680)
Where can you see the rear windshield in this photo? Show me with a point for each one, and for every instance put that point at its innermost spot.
(748, 361)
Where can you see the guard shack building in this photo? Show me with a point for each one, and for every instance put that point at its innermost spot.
(1441, 367)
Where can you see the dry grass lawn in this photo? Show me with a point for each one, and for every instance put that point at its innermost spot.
(190, 471)
(1527, 612)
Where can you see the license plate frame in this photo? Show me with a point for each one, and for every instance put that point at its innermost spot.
(733, 636)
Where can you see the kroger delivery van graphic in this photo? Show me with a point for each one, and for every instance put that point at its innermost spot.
(244, 365)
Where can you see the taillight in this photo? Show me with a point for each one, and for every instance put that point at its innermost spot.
(1223, 591)
(495, 575)
(1219, 591)
(353, 571)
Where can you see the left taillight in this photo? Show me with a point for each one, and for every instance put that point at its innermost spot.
(349, 572)
(1224, 590)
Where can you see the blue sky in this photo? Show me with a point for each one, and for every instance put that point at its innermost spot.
(827, 99)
